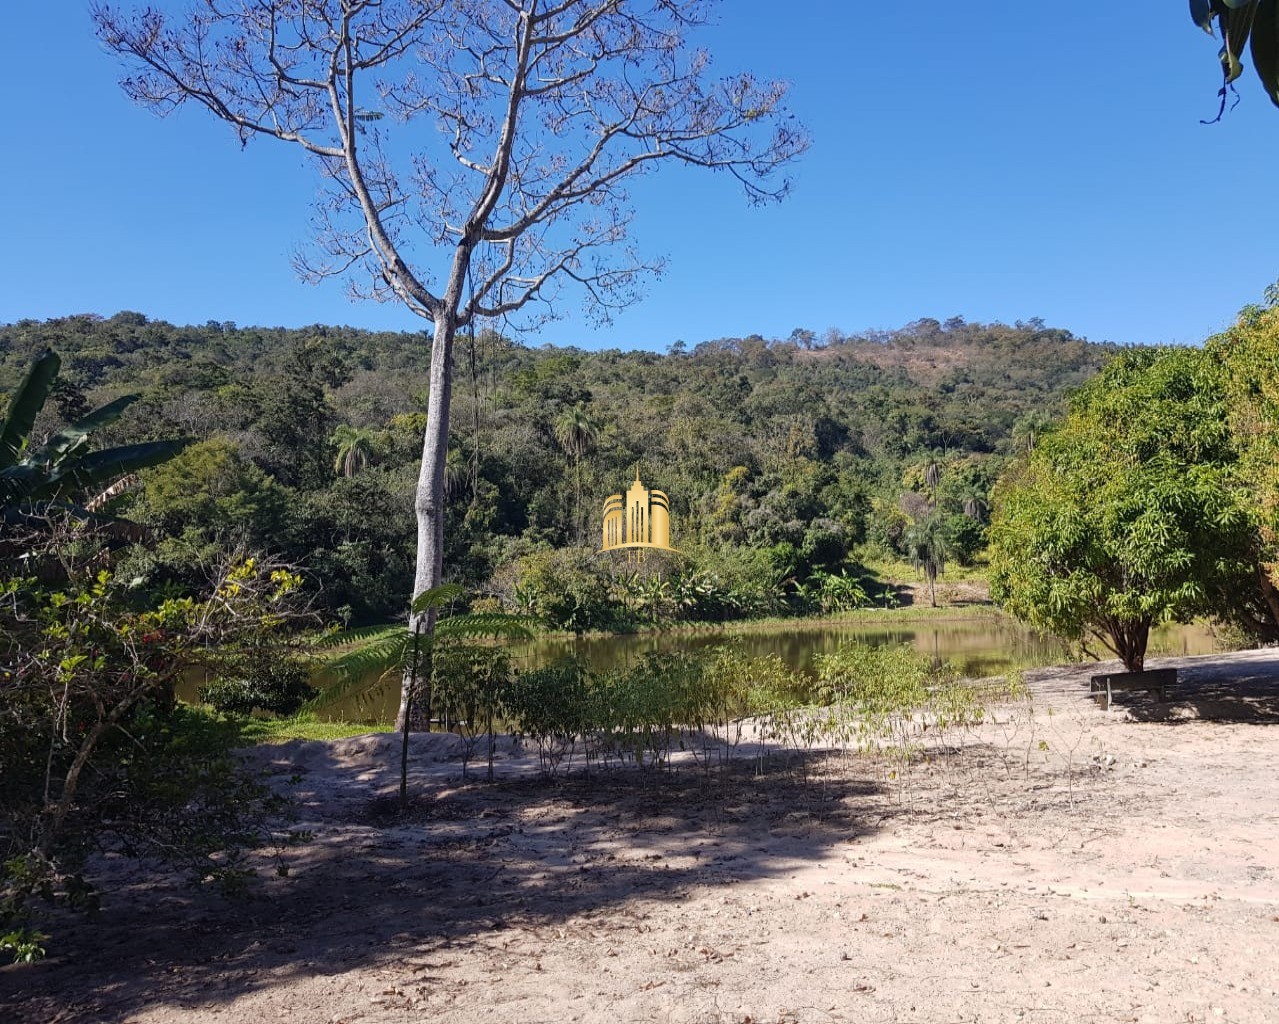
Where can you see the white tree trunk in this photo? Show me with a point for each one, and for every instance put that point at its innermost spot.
(429, 499)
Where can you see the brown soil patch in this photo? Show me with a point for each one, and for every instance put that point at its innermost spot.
(1057, 864)
(956, 593)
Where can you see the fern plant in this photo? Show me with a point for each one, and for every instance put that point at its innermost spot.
(374, 654)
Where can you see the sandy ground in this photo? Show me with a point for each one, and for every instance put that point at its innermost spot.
(1059, 863)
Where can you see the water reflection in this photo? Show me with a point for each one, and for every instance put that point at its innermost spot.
(986, 646)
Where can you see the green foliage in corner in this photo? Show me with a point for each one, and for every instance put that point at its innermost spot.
(1126, 516)
(1244, 22)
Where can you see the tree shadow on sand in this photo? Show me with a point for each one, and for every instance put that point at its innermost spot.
(468, 863)
(1244, 692)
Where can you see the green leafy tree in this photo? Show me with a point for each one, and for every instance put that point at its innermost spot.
(566, 589)
(713, 417)
(1125, 516)
(206, 503)
(213, 488)
(293, 419)
(1248, 359)
(356, 537)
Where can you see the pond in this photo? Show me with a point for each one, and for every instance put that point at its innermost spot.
(984, 645)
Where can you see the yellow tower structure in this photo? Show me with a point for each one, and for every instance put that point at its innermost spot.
(640, 518)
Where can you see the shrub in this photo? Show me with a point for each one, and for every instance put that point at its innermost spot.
(636, 711)
(467, 684)
(259, 679)
(883, 680)
(886, 693)
(551, 706)
(94, 750)
(642, 712)
(567, 589)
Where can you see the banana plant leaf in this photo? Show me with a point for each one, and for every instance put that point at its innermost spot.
(1251, 24)
(67, 441)
(25, 406)
(1236, 25)
(17, 484)
(99, 468)
(59, 473)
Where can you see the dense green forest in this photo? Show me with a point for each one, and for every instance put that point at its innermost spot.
(789, 462)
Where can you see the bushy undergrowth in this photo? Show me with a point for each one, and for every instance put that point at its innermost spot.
(95, 752)
(864, 700)
(259, 678)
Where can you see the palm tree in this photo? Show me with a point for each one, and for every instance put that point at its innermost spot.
(576, 433)
(1027, 429)
(932, 475)
(975, 506)
(927, 548)
(456, 473)
(63, 472)
(357, 448)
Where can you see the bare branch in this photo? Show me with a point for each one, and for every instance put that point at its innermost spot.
(512, 129)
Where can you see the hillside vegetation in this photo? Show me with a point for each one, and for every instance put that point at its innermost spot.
(789, 462)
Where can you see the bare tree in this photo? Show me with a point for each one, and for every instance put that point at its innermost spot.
(475, 154)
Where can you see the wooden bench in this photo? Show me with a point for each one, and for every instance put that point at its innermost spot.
(1155, 680)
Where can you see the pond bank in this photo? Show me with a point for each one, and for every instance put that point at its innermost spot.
(960, 599)
(776, 623)
(977, 642)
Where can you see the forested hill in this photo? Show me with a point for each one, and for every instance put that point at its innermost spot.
(805, 447)
(956, 385)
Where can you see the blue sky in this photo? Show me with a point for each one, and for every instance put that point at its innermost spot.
(1041, 160)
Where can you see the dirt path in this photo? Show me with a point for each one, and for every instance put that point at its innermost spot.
(1057, 864)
